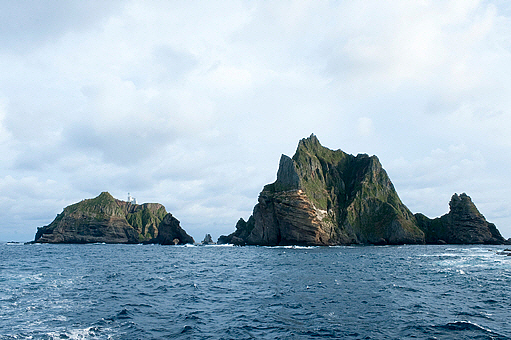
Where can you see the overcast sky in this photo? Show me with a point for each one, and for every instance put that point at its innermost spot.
(191, 103)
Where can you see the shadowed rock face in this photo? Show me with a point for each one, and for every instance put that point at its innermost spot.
(464, 224)
(170, 233)
(326, 197)
(105, 219)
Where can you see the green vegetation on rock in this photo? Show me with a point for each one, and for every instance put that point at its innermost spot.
(333, 198)
(146, 221)
(105, 205)
(106, 219)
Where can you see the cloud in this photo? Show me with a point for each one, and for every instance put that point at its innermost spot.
(365, 126)
(34, 22)
(192, 105)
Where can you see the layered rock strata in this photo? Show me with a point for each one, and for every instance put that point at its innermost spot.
(106, 219)
(328, 197)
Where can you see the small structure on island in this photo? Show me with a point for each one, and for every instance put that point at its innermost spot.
(131, 199)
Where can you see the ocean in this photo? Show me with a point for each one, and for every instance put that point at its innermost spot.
(102, 291)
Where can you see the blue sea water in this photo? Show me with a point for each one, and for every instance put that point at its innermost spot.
(101, 291)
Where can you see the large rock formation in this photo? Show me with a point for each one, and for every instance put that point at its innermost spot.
(170, 233)
(464, 224)
(106, 219)
(326, 197)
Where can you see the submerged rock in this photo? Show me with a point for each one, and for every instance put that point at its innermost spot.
(106, 219)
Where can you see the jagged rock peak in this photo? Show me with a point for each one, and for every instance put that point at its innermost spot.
(463, 205)
(463, 224)
(327, 197)
(287, 176)
(310, 143)
(208, 239)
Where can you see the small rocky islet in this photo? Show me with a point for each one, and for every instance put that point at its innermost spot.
(321, 197)
(105, 219)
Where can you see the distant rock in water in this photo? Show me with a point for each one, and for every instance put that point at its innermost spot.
(327, 197)
(208, 239)
(464, 224)
(106, 219)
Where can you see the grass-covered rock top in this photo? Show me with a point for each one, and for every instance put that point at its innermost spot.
(328, 197)
(109, 220)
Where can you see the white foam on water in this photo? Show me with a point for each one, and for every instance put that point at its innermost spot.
(219, 245)
(79, 334)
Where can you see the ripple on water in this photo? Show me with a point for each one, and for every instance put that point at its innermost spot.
(156, 292)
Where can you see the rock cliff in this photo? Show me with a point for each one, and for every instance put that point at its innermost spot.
(327, 197)
(463, 224)
(170, 233)
(106, 219)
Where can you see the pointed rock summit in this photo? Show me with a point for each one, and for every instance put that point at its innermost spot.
(329, 197)
(464, 224)
(106, 219)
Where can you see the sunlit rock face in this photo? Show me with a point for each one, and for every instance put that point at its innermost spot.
(327, 197)
(105, 219)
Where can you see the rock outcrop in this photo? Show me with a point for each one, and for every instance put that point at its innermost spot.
(207, 240)
(326, 197)
(170, 233)
(238, 237)
(464, 224)
(106, 219)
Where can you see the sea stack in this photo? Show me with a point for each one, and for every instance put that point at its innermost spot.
(106, 219)
(464, 224)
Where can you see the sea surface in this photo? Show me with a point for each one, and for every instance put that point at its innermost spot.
(101, 291)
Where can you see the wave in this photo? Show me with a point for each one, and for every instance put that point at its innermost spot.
(456, 330)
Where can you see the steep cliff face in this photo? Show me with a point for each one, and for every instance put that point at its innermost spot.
(326, 197)
(105, 219)
(463, 224)
(171, 233)
(144, 218)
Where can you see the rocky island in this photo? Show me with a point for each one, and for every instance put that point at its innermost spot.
(328, 197)
(106, 219)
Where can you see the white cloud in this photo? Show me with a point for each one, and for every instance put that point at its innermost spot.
(192, 104)
(365, 126)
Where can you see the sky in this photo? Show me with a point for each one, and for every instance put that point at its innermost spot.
(191, 103)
